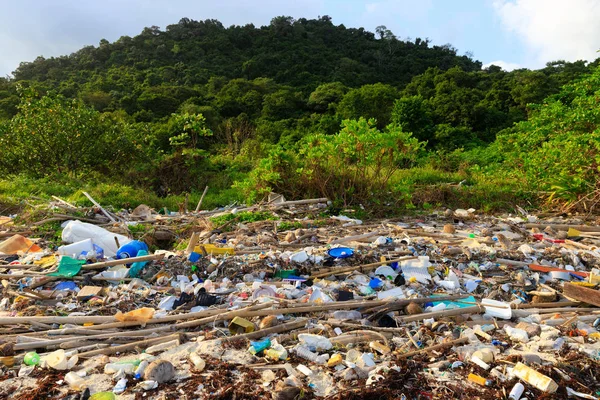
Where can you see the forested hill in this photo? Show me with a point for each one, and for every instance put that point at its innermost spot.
(301, 53)
(247, 109)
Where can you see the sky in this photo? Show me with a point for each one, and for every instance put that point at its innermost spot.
(508, 33)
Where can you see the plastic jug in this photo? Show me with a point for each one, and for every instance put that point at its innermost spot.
(75, 249)
(131, 249)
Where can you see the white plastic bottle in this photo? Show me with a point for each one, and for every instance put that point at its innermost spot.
(516, 392)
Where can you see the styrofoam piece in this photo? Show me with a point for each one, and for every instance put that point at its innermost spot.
(497, 309)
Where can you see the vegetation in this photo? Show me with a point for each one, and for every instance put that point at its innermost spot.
(301, 107)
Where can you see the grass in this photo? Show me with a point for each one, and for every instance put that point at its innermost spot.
(244, 216)
(416, 189)
(19, 192)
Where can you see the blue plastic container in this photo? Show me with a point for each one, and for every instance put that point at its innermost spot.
(341, 252)
(131, 249)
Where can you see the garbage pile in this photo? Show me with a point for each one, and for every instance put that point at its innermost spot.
(303, 305)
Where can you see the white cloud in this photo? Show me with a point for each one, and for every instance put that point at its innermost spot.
(554, 29)
(507, 66)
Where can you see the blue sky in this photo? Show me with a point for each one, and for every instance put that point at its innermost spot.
(510, 33)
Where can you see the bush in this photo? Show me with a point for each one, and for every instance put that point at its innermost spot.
(51, 134)
(352, 166)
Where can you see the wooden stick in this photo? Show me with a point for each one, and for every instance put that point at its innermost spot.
(356, 237)
(444, 313)
(201, 199)
(546, 305)
(192, 243)
(63, 201)
(435, 347)
(289, 326)
(564, 227)
(580, 293)
(110, 217)
(46, 343)
(128, 346)
(123, 261)
(301, 202)
(335, 271)
(398, 304)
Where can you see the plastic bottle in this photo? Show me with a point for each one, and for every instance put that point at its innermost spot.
(534, 378)
(345, 315)
(305, 353)
(558, 344)
(74, 381)
(516, 334)
(139, 372)
(198, 362)
(479, 380)
(113, 368)
(131, 249)
(316, 342)
(136, 267)
(517, 391)
(257, 347)
(75, 249)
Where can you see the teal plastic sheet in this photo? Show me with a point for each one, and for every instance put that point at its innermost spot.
(68, 267)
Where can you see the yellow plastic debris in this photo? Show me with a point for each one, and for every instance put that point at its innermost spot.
(240, 325)
(212, 249)
(139, 315)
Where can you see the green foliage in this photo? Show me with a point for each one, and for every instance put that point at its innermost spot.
(53, 134)
(354, 165)
(302, 107)
(558, 149)
(369, 101)
(244, 216)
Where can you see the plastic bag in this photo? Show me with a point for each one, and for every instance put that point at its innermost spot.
(68, 267)
(18, 243)
(139, 315)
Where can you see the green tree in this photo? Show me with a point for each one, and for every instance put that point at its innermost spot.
(369, 101)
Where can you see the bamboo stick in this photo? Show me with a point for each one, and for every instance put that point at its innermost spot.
(435, 347)
(128, 346)
(99, 206)
(334, 271)
(444, 313)
(356, 237)
(123, 261)
(201, 199)
(289, 326)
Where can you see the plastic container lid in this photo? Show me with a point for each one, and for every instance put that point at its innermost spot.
(341, 252)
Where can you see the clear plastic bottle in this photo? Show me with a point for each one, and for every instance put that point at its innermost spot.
(139, 372)
(305, 353)
(347, 315)
(74, 381)
(113, 368)
(198, 362)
